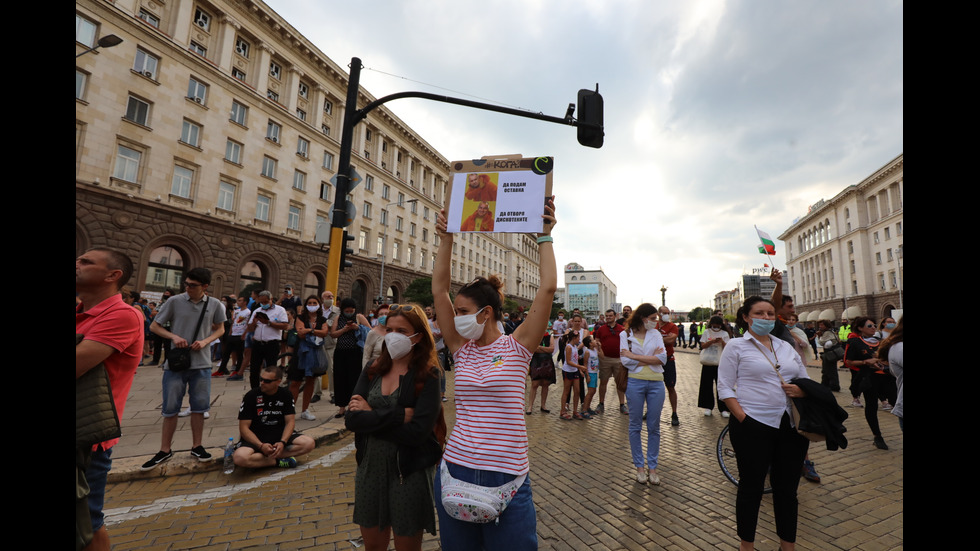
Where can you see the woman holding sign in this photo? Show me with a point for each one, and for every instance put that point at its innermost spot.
(488, 445)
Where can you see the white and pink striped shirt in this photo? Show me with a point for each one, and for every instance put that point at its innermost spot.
(490, 432)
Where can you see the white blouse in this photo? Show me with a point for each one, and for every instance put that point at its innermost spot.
(746, 373)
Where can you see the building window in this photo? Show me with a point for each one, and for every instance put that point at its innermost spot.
(425, 235)
(198, 49)
(425, 213)
(385, 191)
(263, 207)
(410, 257)
(272, 95)
(381, 246)
(242, 47)
(80, 80)
(269, 167)
(888, 234)
(202, 19)
(411, 229)
(890, 255)
(275, 70)
(181, 185)
(190, 133)
(325, 129)
(138, 111)
(401, 198)
(149, 18)
(226, 196)
(299, 180)
(876, 238)
(233, 152)
(362, 240)
(850, 247)
(422, 257)
(415, 207)
(238, 74)
(304, 90)
(303, 148)
(369, 183)
(300, 114)
(893, 279)
(197, 91)
(853, 268)
(85, 31)
(395, 247)
(898, 228)
(239, 113)
(127, 164)
(877, 258)
(327, 107)
(367, 135)
(384, 217)
(399, 223)
(146, 64)
(272, 131)
(327, 161)
(293, 218)
(367, 210)
(324, 191)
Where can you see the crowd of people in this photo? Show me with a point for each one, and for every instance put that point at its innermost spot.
(386, 374)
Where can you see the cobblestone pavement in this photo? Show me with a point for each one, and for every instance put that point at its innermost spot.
(582, 478)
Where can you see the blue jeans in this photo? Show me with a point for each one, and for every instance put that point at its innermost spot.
(515, 529)
(197, 383)
(638, 392)
(96, 475)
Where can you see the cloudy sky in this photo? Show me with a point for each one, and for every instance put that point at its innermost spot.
(718, 114)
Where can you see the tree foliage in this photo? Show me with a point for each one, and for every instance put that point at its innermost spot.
(419, 291)
(700, 313)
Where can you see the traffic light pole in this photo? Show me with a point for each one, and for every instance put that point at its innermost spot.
(592, 128)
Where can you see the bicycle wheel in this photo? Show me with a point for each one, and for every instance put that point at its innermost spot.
(726, 460)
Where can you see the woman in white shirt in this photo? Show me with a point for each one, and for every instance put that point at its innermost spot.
(643, 355)
(713, 343)
(761, 427)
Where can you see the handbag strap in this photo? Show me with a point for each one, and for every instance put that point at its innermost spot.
(200, 320)
(774, 368)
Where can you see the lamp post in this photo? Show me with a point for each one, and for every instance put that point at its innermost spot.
(384, 245)
(106, 41)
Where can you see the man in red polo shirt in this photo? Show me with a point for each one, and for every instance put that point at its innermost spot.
(113, 335)
(609, 364)
(669, 332)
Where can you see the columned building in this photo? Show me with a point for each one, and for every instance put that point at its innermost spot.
(209, 137)
(846, 252)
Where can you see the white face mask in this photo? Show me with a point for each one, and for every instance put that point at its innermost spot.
(665, 318)
(398, 344)
(328, 304)
(467, 326)
(650, 325)
(312, 307)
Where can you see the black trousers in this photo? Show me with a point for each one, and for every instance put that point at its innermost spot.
(346, 371)
(708, 389)
(761, 449)
(262, 352)
(230, 344)
(874, 387)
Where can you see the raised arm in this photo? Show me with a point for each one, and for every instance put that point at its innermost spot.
(441, 283)
(529, 333)
(777, 293)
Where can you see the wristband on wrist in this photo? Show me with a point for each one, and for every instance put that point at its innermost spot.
(545, 239)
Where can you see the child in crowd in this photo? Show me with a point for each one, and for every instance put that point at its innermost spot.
(591, 362)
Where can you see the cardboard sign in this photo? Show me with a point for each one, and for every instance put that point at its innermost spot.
(500, 194)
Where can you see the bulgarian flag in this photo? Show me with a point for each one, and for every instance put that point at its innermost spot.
(767, 247)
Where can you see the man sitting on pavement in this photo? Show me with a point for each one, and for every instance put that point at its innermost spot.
(266, 420)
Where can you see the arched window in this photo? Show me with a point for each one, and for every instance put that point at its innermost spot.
(252, 276)
(358, 292)
(165, 269)
(313, 284)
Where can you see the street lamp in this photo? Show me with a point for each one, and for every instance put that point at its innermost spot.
(106, 41)
(384, 245)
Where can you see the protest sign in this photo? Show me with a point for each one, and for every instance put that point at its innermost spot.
(501, 194)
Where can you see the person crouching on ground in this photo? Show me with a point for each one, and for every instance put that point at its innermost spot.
(266, 420)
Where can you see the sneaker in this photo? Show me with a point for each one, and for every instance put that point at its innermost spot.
(707, 413)
(623, 410)
(184, 412)
(856, 403)
(219, 373)
(885, 405)
(307, 415)
(286, 463)
(674, 421)
(315, 399)
(601, 408)
(160, 457)
(641, 476)
(880, 443)
(810, 471)
(201, 454)
(725, 414)
(654, 479)
(235, 377)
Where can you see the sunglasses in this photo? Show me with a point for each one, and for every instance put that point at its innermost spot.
(402, 307)
(268, 381)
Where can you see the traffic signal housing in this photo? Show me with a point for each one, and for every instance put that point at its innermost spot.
(344, 251)
(590, 129)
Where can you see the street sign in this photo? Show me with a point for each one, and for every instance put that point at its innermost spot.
(322, 235)
(352, 181)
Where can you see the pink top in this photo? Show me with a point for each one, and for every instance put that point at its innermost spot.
(490, 432)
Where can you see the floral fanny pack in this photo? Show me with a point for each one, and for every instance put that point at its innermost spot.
(474, 503)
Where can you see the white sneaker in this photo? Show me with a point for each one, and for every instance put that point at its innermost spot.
(707, 413)
(725, 414)
(641, 476)
(307, 415)
(654, 479)
(187, 412)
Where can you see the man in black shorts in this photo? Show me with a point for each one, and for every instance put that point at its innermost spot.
(266, 420)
